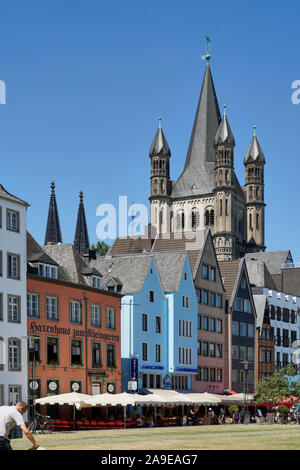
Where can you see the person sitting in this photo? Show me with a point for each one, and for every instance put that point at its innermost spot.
(151, 422)
(139, 421)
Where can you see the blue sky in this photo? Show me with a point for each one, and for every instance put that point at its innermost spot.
(87, 80)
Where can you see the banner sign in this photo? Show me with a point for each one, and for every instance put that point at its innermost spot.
(134, 367)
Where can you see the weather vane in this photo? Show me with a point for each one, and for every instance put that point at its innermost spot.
(207, 55)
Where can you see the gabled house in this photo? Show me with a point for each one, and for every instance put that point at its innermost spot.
(241, 327)
(159, 317)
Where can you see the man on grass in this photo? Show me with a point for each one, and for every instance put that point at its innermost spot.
(11, 416)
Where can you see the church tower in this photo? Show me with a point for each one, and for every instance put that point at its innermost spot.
(53, 232)
(160, 182)
(254, 162)
(224, 235)
(81, 241)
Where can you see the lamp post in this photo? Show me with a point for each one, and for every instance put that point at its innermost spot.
(32, 375)
(246, 364)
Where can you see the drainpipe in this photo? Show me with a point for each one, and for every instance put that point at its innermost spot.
(86, 344)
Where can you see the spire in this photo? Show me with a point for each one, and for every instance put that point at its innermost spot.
(53, 233)
(81, 241)
(224, 134)
(254, 152)
(206, 123)
(159, 145)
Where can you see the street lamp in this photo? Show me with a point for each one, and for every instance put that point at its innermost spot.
(33, 382)
(246, 365)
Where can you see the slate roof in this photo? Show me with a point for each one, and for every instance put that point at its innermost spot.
(36, 254)
(229, 272)
(131, 270)
(127, 245)
(159, 145)
(224, 133)
(186, 242)
(274, 260)
(70, 264)
(254, 152)
(259, 275)
(198, 175)
(260, 306)
(10, 197)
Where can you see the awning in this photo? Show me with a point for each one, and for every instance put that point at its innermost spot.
(72, 398)
(105, 399)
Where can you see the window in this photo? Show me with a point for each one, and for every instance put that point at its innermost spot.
(235, 328)
(97, 282)
(111, 355)
(199, 322)
(198, 294)
(243, 329)
(212, 375)
(52, 308)
(199, 348)
(1, 306)
(110, 318)
(238, 304)
(205, 349)
(14, 310)
(278, 314)
(212, 324)
(46, 270)
(219, 326)
(219, 301)
(212, 350)
(144, 322)
(76, 386)
(209, 217)
(205, 374)
(13, 220)
(95, 315)
(1, 395)
(75, 311)
(235, 352)
(157, 353)
(199, 374)
(195, 218)
(96, 355)
(250, 354)
(234, 376)
(243, 284)
(205, 297)
(185, 301)
(145, 351)
(34, 350)
(243, 353)
(219, 375)
(14, 354)
(205, 271)
(212, 274)
(14, 394)
(33, 305)
(212, 299)
(242, 376)
(13, 266)
(158, 324)
(52, 351)
(151, 296)
(1, 263)
(219, 350)
(250, 330)
(205, 323)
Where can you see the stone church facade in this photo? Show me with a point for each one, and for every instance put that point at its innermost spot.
(207, 194)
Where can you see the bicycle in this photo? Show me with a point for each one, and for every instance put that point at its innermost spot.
(41, 423)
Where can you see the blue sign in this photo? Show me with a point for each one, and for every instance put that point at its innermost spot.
(134, 367)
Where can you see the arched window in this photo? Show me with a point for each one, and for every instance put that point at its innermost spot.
(180, 220)
(250, 221)
(209, 217)
(195, 218)
(257, 221)
(161, 186)
(221, 206)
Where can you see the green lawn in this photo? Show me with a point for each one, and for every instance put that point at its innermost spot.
(228, 437)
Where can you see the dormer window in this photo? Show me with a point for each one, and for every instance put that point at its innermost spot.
(97, 282)
(46, 270)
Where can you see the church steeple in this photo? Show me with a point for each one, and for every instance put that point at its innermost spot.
(206, 123)
(81, 241)
(53, 232)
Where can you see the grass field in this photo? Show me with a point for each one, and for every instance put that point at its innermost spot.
(228, 437)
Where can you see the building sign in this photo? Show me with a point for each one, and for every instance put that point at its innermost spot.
(132, 385)
(52, 386)
(54, 329)
(167, 383)
(134, 367)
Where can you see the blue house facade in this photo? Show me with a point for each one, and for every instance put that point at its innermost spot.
(158, 318)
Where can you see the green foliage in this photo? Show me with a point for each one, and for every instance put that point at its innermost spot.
(283, 410)
(275, 387)
(232, 409)
(102, 247)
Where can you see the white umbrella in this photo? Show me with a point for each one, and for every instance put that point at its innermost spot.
(122, 399)
(63, 399)
(204, 398)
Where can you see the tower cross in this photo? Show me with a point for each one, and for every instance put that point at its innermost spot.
(207, 55)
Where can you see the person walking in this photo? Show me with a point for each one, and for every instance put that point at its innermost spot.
(11, 416)
(222, 416)
(236, 416)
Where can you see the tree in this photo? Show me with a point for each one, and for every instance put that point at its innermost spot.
(275, 387)
(102, 247)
